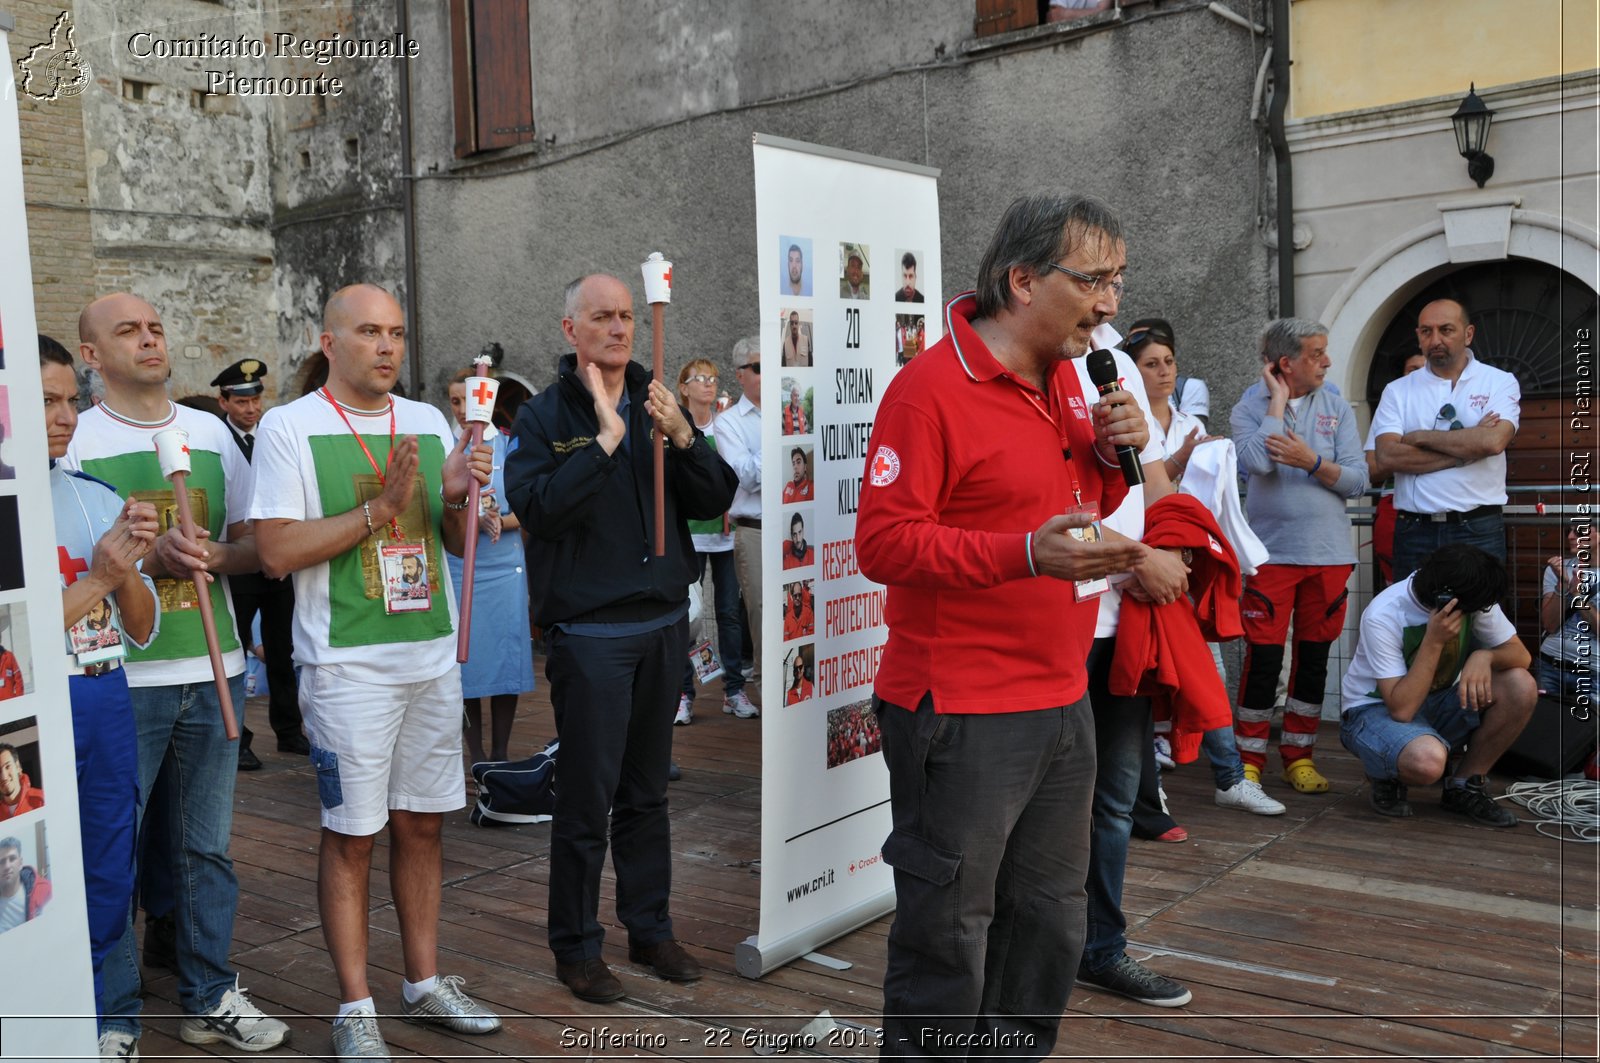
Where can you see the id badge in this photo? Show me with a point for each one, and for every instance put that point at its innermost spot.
(407, 583)
(1084, 589)
(97, 638)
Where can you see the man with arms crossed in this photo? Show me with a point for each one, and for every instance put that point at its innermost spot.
(1443, 432)
(351, 483)
(981, 449)
(174, 695)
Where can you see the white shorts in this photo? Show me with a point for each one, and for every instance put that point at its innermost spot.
(381, 746)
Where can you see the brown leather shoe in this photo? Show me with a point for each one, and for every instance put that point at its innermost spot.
(590, 980)
(667, 959)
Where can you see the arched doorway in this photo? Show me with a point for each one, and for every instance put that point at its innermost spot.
(1526, 316)
(514, 391)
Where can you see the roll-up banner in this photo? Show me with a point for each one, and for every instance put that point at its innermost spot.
(47, 1009)
(848, 246)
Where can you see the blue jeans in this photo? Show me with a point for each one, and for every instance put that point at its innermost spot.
(989, 850)
(1120, 727)
(730, 623)
(1378, 739)
(1223, 753)
(181, 736)
(1414, 540)
(1560, 683)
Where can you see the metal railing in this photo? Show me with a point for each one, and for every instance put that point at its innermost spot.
(1536, 519)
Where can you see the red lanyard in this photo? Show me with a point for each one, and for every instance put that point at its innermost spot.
(1061, 437)
(394, 524)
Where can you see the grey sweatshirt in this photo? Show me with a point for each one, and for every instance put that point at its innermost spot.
(1300, 521)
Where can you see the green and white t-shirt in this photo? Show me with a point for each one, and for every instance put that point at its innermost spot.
(308, 464)
(1391, 631)
(122, 452)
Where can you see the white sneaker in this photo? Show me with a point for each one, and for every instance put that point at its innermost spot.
(237, 1022)
(119, 1044)
(738, 704)
(1164, 759)
(356, 1036)
(1248, 796)
(451, 1008)
(685, 714)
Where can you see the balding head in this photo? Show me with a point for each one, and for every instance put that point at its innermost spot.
(122, 337)
(100, 317)
(1444, 331)
(364, 338)
(598, 321)
(344, 305)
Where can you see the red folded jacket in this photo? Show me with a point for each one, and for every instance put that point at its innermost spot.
(1161, 650)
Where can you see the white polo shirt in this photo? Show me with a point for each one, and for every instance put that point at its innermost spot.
(1414, 403)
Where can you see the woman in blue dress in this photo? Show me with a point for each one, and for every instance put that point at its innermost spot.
(500, 652)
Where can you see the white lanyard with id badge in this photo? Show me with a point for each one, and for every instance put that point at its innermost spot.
(1083, 589)
(402, 565)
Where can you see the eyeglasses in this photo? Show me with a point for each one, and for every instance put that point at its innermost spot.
(754, 367)
(1094, 282)
(1447, 412)
(701, 378)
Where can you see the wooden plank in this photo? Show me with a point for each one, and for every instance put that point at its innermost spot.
(1418, 970)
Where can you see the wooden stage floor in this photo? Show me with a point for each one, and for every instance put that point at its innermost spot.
(1328, 932)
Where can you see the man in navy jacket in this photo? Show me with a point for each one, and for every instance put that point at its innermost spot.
(616, 618)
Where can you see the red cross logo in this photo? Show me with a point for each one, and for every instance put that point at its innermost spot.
(70, 566)
(667, 277)
(885, 467)
(483, 393)
(185, 449)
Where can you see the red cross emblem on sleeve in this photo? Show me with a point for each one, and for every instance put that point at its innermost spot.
(885, 467)
(70, 566)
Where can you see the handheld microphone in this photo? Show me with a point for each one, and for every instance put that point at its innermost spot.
(1103, 372)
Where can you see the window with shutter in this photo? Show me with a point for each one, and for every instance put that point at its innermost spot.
(1003, 16)
(492, 74)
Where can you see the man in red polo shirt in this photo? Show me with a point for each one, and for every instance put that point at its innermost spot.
(981, 447)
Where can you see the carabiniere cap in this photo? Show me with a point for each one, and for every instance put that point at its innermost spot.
(242, 377)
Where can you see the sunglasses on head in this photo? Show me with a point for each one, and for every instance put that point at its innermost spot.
(1141, 336)
(754, 367)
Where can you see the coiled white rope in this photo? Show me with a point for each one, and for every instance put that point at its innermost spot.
(1560, 807)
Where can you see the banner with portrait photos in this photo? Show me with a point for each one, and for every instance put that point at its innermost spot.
(47, 1009)
(850, 282)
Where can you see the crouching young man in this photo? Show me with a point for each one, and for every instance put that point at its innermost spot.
(1437, 665)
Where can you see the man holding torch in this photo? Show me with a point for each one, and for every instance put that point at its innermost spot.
(176, 701)
(357, 493)
(580, 481)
